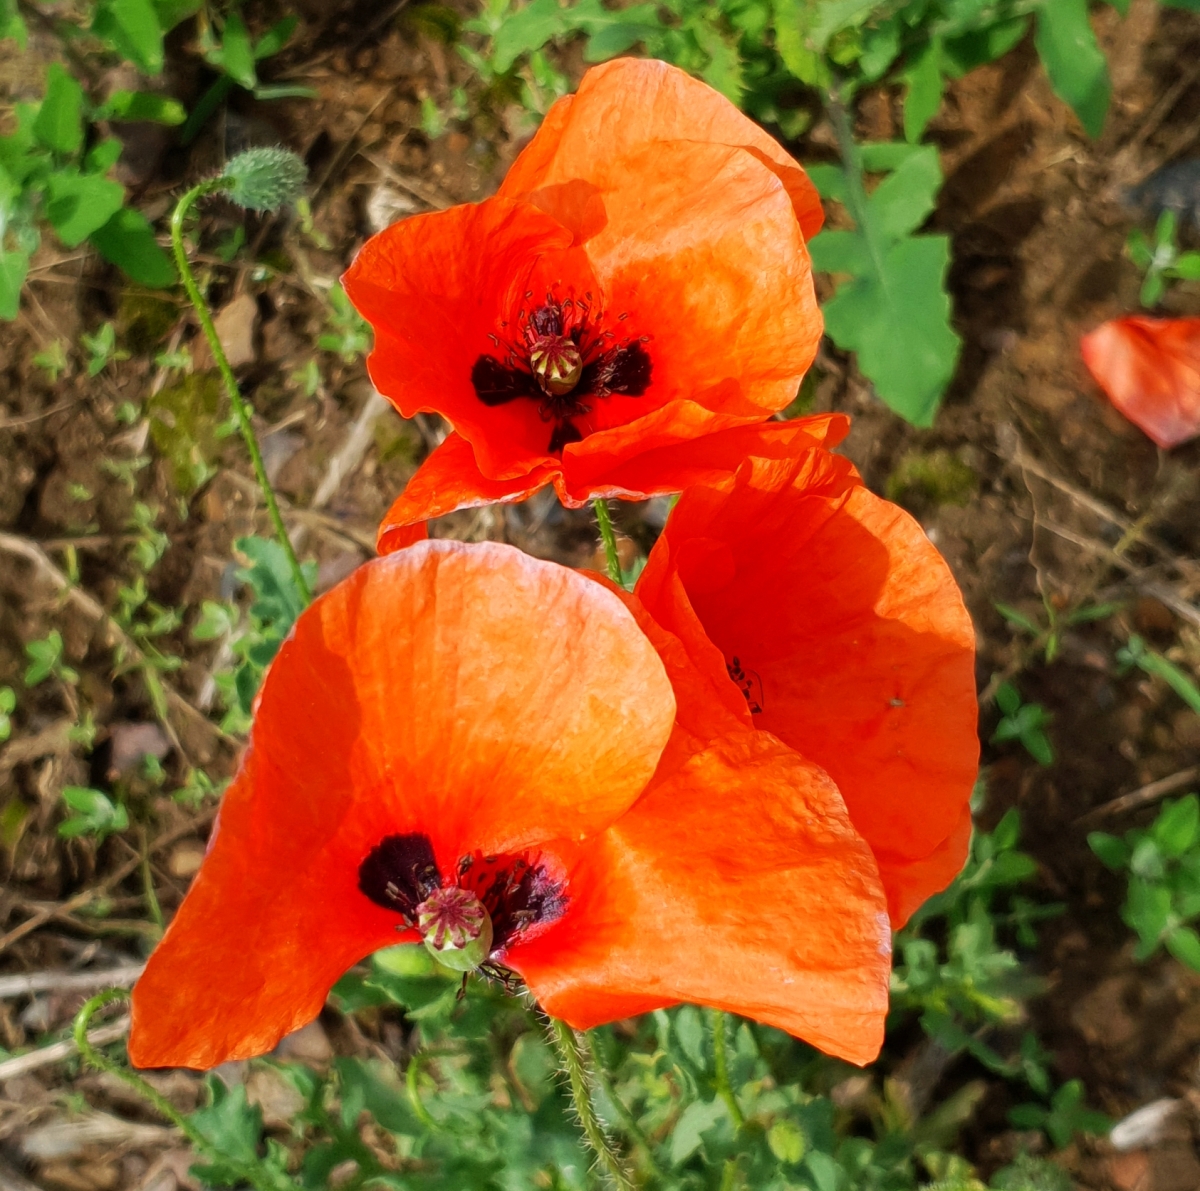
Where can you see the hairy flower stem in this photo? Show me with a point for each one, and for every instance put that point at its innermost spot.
(721, 1063)
(240, 410)
(249, 1172)
(570, 1052)
(608, 534)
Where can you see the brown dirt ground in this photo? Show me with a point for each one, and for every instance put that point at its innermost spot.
(1064, 501)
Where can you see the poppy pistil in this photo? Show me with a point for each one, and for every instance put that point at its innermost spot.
(456, 928)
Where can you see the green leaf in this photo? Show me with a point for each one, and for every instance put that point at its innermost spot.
(905, 198)
(696, 1119)
(1122, 6)
(59, 123)
(1177, 827)
(1113, 852)
(789, 20)
(77, 204)
(275, 38)
(896, 319)
(724, 69)
(142, 105)
(1078, 72)
(132, 28)
(840, 252)
(12, 26)
(527, 29)
(171, 12)
(1186, 5)
(237, 54)
(1184, 944)
(127, 241)
(102, 156)
(924, 78)
(13, 268)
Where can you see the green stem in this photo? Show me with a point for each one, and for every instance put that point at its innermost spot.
(609, 536)
(721, 1062)
(251, 1173)
(628, 1120)
(240, 410)
(567, 1043)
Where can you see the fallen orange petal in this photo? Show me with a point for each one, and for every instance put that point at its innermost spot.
(1150, 369)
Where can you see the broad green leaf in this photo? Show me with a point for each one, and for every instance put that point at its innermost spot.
(840, 252)
(924, 78)
(904, 199)
(830, 181)
(237, 55)
(896, 320)
(1077, 69)
(528, 28)
(724, 70)
(132, 28)
(127, 241)
(1184, 944)
(880, 156)
(789, 19)
(143, 105)
(13, 268)
(77, 204)
(833, 16)
(697, 1118)
(59, 122)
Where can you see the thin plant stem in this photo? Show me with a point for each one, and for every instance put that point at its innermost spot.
(628, 1120)
(250, 1172)
(729, 1175)
(570, 1051)
(608, 534)
(721, 1062)
(241, 411)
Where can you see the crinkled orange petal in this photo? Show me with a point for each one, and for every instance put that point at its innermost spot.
(674, 465)
(851, 639)
(697, 251)
(435, 288)
(910, 883)
(450, 479)
(735, 881)
(470, 693)
(631, 103)
(1150, 369)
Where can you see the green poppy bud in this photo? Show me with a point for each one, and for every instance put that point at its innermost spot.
(265, 179)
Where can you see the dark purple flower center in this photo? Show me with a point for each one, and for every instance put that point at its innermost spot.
(749, 683)
(561, 358)
(401, 873)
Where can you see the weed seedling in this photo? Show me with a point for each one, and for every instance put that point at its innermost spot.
(1161, 259)
(95, 814)
(46, 660)
(1163, 864)
(1025, 722)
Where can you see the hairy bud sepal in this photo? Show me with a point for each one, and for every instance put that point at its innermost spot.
(456, 928)
(264, 179)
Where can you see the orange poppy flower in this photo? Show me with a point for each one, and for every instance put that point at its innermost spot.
(830, 621)
(465, 745)
(1150, 369)
(639, 281)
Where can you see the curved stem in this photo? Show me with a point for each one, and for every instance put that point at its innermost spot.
(240, 410)
(251, 1173)
(721, 1062)
(566, 1042)
(608, 534)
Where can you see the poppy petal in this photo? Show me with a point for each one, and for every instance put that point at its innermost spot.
(631, 103)
(1150, 369)
(471, 694)
(846, 633)
(448, 480)
(910, 883)
(699, 253)
(736, 881)
(436, 288)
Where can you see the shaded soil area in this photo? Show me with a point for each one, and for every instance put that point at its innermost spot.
(1040, 496)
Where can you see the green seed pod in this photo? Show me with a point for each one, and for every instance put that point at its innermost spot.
(265, 179)
(456, 928)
